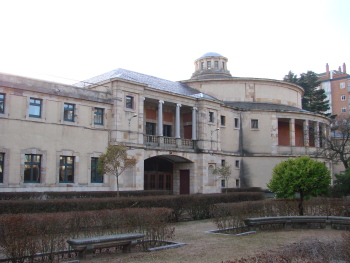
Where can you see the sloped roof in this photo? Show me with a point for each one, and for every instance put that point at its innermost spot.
(243, 105)
(150, 81)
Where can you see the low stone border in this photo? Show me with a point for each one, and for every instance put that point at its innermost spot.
(168, 246)
(220, 232)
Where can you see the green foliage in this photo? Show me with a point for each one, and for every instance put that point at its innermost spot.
(224, 172)
(342, 183)
(314, 99)
(300, 175)
(115, 161)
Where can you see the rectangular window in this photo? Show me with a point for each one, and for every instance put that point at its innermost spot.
(167, 130)
(236, 123)
(66, 169)
(343, 109)
(35, 108)
(208, 64)
(237, 164)
(2, 155)
(342, 85)
(254, 124)
(98, 116)
(202, 65)
(223, 183)
(129, 102)
(223, 120)
(32, 164)
(2, 103)
(211, 116)
(342, 98)
(68, 114)
(223, 65)
(150, 128)
(216, 64)
(237, 182)
(95, 177)
(223, 163)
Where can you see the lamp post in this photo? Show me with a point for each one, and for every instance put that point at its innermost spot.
(211, 138)
(133, 116)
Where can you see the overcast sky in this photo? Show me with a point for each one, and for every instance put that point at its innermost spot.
(69, 41)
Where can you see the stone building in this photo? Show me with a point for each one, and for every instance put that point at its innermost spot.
(52, 134)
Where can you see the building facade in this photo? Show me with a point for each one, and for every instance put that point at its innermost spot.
(336, 84)
(51, 134)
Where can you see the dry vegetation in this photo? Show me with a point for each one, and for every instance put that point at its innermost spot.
(204, 247)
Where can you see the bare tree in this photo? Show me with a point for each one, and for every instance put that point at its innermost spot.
(337, 144)
(224, 172)
(115, 161)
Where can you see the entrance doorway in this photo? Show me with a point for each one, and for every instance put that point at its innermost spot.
(184, 182)
(158, 174)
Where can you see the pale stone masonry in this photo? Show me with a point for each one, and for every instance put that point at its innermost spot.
(52, 134)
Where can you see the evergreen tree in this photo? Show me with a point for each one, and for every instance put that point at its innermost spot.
(314, 99)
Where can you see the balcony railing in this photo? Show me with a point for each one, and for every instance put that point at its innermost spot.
(161, 141)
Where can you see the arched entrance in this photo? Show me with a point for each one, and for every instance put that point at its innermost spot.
(168, 172)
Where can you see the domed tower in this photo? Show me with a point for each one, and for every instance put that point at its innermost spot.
(211, 65)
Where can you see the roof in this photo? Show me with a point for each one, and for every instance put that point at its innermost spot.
(243, 105)
(211, 54)
(150, 81)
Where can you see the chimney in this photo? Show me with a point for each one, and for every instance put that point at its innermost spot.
(344, 68)
(327, 71)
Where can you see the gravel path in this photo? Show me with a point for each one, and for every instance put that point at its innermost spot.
(204, 247)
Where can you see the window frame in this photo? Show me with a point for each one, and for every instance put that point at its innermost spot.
(100, 115)
(94, 176)
(2, 102)
(153, 127)
(343, 109)
(237, 164)
(342, 97)
(342, 85)
(2, 169)
(208, 64)
(222, 120)
(254, 124)
(129, 102)
(33, 104)
(236, 123)
(167, 130)
(67, 110)
(223, 183)
(32, 163)
(211, 116)
(216, 64)
(65, 164)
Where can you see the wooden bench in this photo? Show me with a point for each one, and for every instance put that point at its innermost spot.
(335, 222)
(86, 246)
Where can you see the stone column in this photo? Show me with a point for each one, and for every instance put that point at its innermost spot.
(160, 118)
(194, 123)
(292, 132)
(306, 133)
(317, 134)
(177, 121)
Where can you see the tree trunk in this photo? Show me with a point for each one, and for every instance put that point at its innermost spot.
(301, 203)
(118, 186)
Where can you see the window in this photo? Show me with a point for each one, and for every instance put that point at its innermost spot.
(223, 163)
(211, 116)
(342, 97)
(237, 182)
(236, 123)
(95, 177)
(342, 85)
(129, 102)
(223, 65)
(32, 164)
(216, 64)
(202, 65)
(150, 128)
(223, 120)
(343, 109)
(2, 155)
(35, 108)
(223, 183)
(66, 169)
(2, 103)
(68, 114)
(237, 164)
(208, 64)
(98, 116)
(167, 130)
(254, 124)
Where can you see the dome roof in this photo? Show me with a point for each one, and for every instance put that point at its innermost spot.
(211, 54)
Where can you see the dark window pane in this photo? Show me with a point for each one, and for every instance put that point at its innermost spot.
(129, 102)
